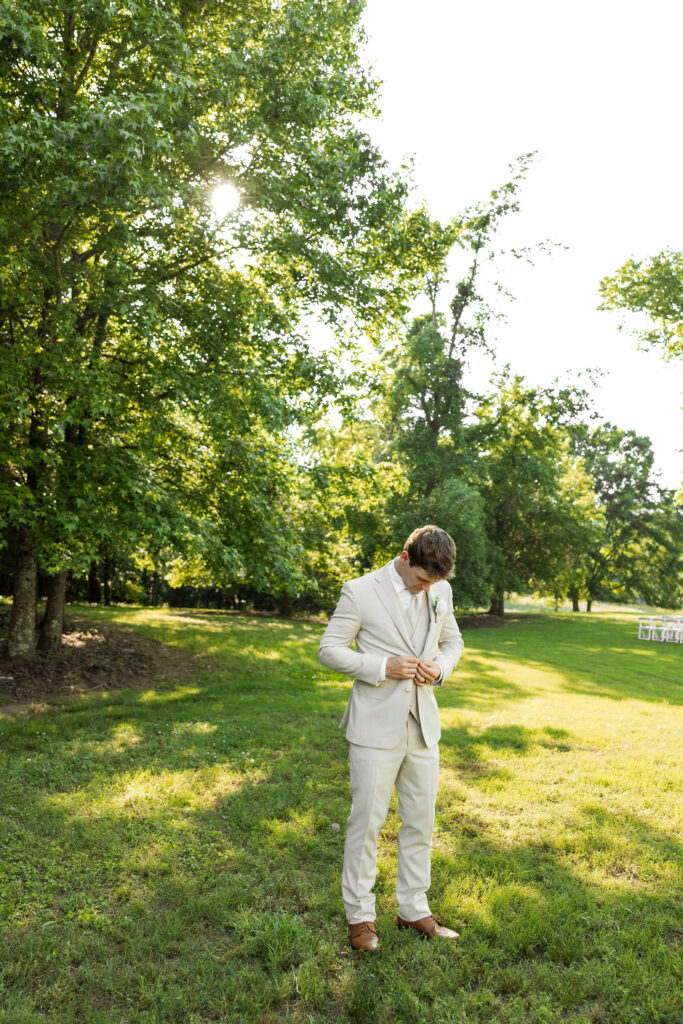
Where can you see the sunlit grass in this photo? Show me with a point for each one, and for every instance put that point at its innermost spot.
(168, 855)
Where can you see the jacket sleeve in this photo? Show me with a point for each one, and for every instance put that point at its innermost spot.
(335, 647)
(450, 647)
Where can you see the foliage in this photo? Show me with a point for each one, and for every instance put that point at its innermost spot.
(540, 507)
(163, 417)
(141, 332)
(342, 507)
(658, 559)
(653, 286)
(427, 406)
(496, 469)
(457, 507)
(638, 550)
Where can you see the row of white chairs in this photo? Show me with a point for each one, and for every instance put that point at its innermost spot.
(668, 628)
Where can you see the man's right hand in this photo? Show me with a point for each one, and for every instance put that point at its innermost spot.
(401, 668)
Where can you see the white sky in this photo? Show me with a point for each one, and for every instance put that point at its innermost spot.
(596, 89)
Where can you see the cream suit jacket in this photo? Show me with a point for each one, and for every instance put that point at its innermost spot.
(369, 614)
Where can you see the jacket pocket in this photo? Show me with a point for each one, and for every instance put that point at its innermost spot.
(373, 692)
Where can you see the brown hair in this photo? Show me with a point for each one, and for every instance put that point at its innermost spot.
(433, 550)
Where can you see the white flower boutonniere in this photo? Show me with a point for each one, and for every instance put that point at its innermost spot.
(439, 608)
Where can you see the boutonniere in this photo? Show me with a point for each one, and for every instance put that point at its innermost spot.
(439, 608)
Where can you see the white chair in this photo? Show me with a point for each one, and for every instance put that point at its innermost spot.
(673, 629)
(645, 627)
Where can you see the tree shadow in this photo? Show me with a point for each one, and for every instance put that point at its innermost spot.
(600, 657)
(192, 825)
(542, 938)
(178, 877)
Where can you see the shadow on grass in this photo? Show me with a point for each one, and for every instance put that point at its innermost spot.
(148, 853)
(597, 657)
(170, 856)
(228, 905)
(539, 942)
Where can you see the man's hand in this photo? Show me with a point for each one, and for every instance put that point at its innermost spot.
(427, 672)
(401, 668)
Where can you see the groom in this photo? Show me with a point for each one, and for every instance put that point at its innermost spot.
(397, 616)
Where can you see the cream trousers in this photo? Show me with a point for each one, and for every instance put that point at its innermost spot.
(414, 769)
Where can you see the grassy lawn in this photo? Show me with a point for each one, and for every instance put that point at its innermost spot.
(168, 855)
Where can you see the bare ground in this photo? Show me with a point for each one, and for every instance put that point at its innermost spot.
(92, 658)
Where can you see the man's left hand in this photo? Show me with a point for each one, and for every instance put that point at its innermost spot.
(427, 673)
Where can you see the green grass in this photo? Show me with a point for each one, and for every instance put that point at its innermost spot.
(168, 856)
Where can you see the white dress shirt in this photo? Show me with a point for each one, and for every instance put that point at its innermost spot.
(404, 596)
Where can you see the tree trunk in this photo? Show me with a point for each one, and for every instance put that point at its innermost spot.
(105, 573)
(21, 641)
(154, 589)
(94, 588)
(285, 606)
(575, 604)
(588, 604)
(50, 638)
(497, 606)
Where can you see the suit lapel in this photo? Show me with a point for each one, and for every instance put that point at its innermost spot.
(389, 598)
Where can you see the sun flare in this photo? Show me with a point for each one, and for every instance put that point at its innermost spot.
(225, 199)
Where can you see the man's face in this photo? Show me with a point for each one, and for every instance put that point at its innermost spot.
(415, 578)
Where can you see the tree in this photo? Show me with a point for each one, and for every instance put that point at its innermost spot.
(658, 557)
(345, 474)
(538, 500)
(428, 408)
(640, 519)
(655, 287)
(122, 297)
(579, 521)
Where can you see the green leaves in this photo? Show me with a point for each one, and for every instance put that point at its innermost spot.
(155, 359)
(654, 287)
(636, 553)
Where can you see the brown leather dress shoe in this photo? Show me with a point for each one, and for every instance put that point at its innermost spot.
(364, 936)
(429, 927)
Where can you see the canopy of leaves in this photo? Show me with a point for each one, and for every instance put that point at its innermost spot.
(539, 500)
(151, 353)
(637, 553)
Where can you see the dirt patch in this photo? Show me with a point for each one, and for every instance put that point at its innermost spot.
(92, 658)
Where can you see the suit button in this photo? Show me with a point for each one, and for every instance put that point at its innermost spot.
(408, 689)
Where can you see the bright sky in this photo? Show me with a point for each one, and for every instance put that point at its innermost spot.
(596, 88)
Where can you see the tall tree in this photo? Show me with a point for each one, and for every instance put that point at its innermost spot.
(537, 498)
(658, 559)
(641, 521)
(428, 405)
(122, 297)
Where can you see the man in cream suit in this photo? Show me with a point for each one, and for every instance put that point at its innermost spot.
(399, 617)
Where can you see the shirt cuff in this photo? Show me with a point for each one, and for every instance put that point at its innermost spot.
(382, 671)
